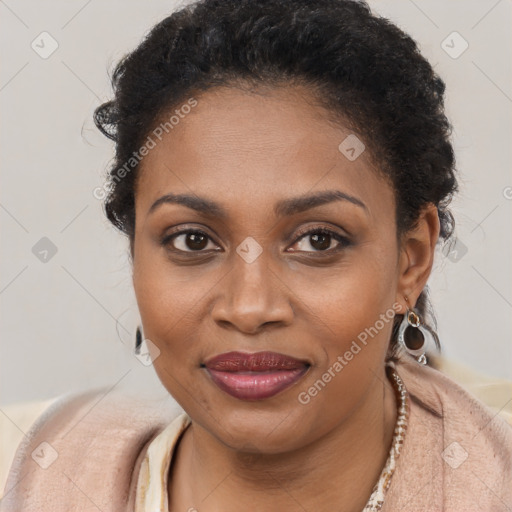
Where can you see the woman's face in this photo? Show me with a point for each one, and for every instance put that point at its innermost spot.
(253, 281)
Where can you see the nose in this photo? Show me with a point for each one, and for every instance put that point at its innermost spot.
(251, 296)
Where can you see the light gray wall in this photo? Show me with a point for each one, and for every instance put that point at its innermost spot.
(58, 318)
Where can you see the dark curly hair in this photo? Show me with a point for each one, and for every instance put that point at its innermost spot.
(369, 75)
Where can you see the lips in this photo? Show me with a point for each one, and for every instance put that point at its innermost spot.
(254, 376)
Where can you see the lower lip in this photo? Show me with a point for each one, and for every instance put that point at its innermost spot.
(255, 385)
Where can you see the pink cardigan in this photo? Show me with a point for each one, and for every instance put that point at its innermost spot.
(457, 454)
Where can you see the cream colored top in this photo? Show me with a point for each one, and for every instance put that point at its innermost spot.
(152, 484)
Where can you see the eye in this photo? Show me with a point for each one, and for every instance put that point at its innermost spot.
(320, 239)
(191, 240)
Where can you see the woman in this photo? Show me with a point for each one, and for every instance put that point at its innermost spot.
(283, 172)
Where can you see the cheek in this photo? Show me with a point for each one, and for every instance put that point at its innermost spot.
(354, 342)
(172, 306)
(167, 305)
(350, 318)
(347, 299)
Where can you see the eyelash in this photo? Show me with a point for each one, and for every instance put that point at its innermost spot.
(344, 242)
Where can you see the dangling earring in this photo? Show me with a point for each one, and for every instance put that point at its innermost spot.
(138, 340)
(412, 335)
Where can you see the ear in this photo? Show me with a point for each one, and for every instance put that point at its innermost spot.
(416, 257)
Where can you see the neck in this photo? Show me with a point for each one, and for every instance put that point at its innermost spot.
(338, 470)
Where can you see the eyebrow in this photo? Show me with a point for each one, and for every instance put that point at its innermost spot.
(283, 208)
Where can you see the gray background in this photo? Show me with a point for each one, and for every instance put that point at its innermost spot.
(60, 318)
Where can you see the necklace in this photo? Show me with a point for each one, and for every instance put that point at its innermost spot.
(376, 500)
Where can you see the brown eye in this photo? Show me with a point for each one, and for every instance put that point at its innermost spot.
(188, 241)
(320, 240)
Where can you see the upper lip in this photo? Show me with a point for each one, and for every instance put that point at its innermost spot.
(258, 361)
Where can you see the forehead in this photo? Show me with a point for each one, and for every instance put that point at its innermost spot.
(245, 148)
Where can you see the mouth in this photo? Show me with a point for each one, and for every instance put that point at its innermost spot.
(255, 376)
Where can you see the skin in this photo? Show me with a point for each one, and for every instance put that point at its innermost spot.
(247, 151)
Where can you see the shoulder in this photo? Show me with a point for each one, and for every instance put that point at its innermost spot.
(84, 451)
(437, 387)
(492, 391)
(456, 447)
(15, 420)
(457, 408)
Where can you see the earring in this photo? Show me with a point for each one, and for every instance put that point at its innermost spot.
(412, 335)
(138, 340)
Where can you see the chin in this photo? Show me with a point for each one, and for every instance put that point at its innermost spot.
(256, 430)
